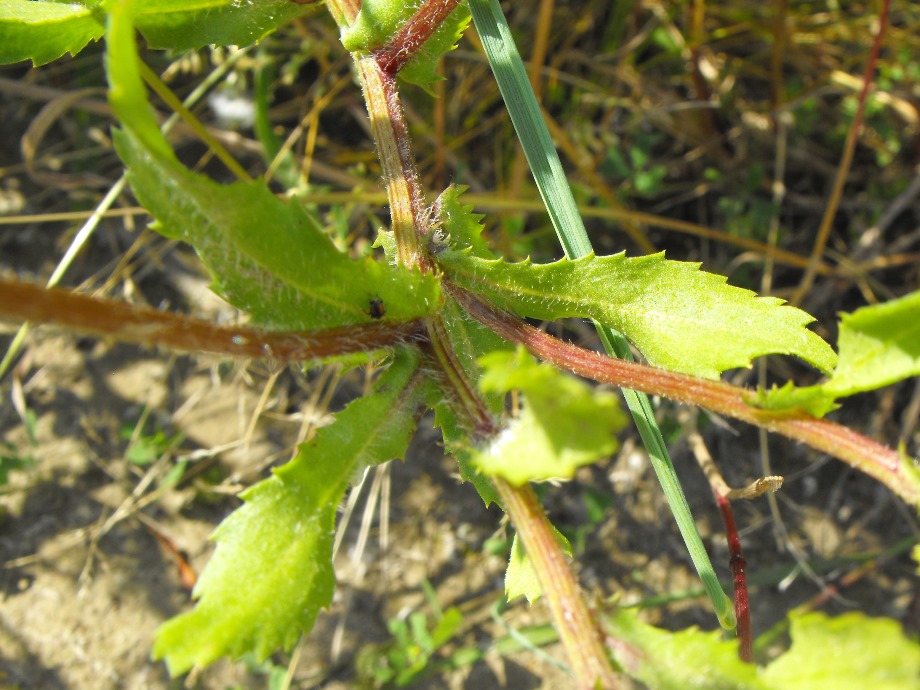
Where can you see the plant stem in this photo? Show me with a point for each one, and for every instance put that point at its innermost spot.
(472, 410)
(410, 221)
(574, 623)
(408, 211)
(739, 577)
(403, 46)
(21, 301)
(878, 461)
(723, 494)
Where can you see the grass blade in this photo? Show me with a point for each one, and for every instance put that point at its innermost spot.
(554, 189)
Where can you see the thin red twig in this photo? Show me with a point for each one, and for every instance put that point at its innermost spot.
(739, 578)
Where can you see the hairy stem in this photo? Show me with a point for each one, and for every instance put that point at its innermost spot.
(878, 461)
(453, 378)
(411, 226)
(577, 628)
(408, 211)
(126, 322)
(403, 46)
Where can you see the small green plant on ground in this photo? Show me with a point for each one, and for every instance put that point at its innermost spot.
(417, 639)
(445, 315)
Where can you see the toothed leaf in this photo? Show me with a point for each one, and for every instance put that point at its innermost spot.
(520, 576)
(421, 70)
(268, 257)
(790, 398)
(380, 20)
(679, 317)
(879, 345)
(272, 570)
(462, 227)
(43, 31)
(684, 660)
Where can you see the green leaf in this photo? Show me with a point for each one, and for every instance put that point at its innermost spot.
(379, 20)
(191, 24)
(520, 577)
(790, 398)
(849, 652)
(563, 423)
(684, 660)
(272, 570)
(679, 317)
(457, 443)
(462, 226)
(879, 345)
(43, 30)
(268, 257)
(550, 177)
(421, 70)
(376, 22)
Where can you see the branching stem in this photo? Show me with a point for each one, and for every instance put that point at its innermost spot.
(411, 227)
(878, 461)
(130, 323)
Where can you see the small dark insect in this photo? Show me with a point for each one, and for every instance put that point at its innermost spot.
(378, 310)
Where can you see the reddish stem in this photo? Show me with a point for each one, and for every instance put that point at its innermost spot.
(24, 302)
(876, 460)
(577, 628)
(739, 578)
(403, 46)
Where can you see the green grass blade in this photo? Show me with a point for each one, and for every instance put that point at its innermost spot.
(519, 97)
(553, 186)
